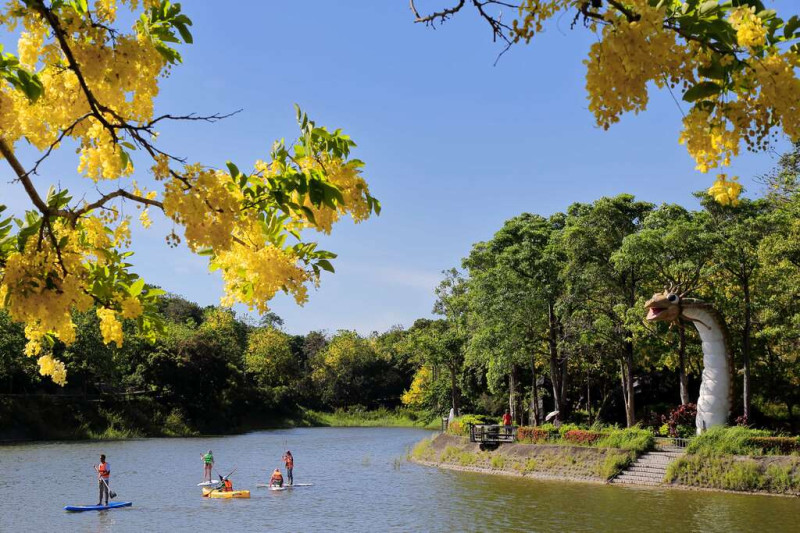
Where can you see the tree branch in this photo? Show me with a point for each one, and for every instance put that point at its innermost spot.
(40, 204)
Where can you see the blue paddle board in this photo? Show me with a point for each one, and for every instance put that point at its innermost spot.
(81, 508)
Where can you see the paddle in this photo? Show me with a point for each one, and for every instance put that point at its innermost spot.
(111, 493)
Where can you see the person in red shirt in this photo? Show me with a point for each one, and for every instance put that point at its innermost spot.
(507, 418)
(289, 462)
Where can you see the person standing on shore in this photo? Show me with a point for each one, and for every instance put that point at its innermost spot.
(103, 474)
(288, 460)
(208, 465)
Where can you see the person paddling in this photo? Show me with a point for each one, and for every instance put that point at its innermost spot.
(289, 462)
(208, 465)
(277, 478)
(103, 474)
(224, 485)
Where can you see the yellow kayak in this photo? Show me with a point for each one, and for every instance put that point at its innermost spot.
(213, 493)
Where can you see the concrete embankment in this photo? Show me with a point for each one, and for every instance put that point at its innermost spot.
(776, 475)
(573, 463)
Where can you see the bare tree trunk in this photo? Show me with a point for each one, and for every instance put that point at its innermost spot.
(534, 411)
(746, 350)
(683, 378)
(589, 395)
(454, 391)
(630, 408)
(512, 393)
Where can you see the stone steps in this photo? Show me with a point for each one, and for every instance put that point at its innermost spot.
(650, 468)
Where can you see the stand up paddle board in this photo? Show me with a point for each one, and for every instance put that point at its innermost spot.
(208, 483)
(81, 508)
(266, 486)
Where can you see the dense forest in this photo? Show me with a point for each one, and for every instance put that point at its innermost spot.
(546, 316)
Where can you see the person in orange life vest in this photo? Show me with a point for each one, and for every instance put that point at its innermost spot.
(507, 418)
(227, 485)
(103, 473)
(289, 462)
(277, 479)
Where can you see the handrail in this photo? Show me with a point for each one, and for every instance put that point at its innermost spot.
(678, 442)
(491, 433)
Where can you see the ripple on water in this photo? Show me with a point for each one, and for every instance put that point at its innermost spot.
(358, 486)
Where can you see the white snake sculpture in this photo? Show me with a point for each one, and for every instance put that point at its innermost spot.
(714, 402)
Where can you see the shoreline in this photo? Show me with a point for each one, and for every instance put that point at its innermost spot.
(570, 479)
(571, 464)
(304, 423)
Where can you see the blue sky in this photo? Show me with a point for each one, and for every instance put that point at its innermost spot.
(453, 145)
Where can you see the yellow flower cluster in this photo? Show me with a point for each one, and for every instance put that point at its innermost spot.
(533, 14)
(48, 366)
(630, 55)
(253, 275)
(207, 203)
(348, 179)
(110, 327)
(708, 140)
(122, 73)
(726, 191)
(750, 31)
(38, 293)
(131, 308)
(780, 90)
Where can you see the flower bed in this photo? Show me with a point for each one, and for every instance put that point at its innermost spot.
(580, 436)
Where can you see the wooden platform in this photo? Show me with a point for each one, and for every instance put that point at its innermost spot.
(487, 434)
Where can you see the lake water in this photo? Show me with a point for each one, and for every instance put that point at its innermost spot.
(362, 482)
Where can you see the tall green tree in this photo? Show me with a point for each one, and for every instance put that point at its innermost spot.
(598, 287)
(674, 249)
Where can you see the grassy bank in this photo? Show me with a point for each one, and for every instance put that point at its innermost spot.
(375, 418)
(740, 459)
(555, 460)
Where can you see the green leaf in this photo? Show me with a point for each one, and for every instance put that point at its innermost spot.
(233, 169)
(325, 265)
(136, 289)
(704, 89)
(708, 6)
(714, 71)
(791, 25)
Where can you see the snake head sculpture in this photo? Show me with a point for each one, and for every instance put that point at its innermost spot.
(664, 307)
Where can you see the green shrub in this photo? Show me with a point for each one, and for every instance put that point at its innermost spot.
(614, 463)
(449, 453)
(635, 439)
(460, 426)
(467, 459)
(498, 461)
(781, 445)
(783, 478)
(423, 450)
(734, 440)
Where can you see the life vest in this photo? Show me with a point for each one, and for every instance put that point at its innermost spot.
(228, 486)
(208, 458)
(277, 479)
(104, 470)
(289, 461)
